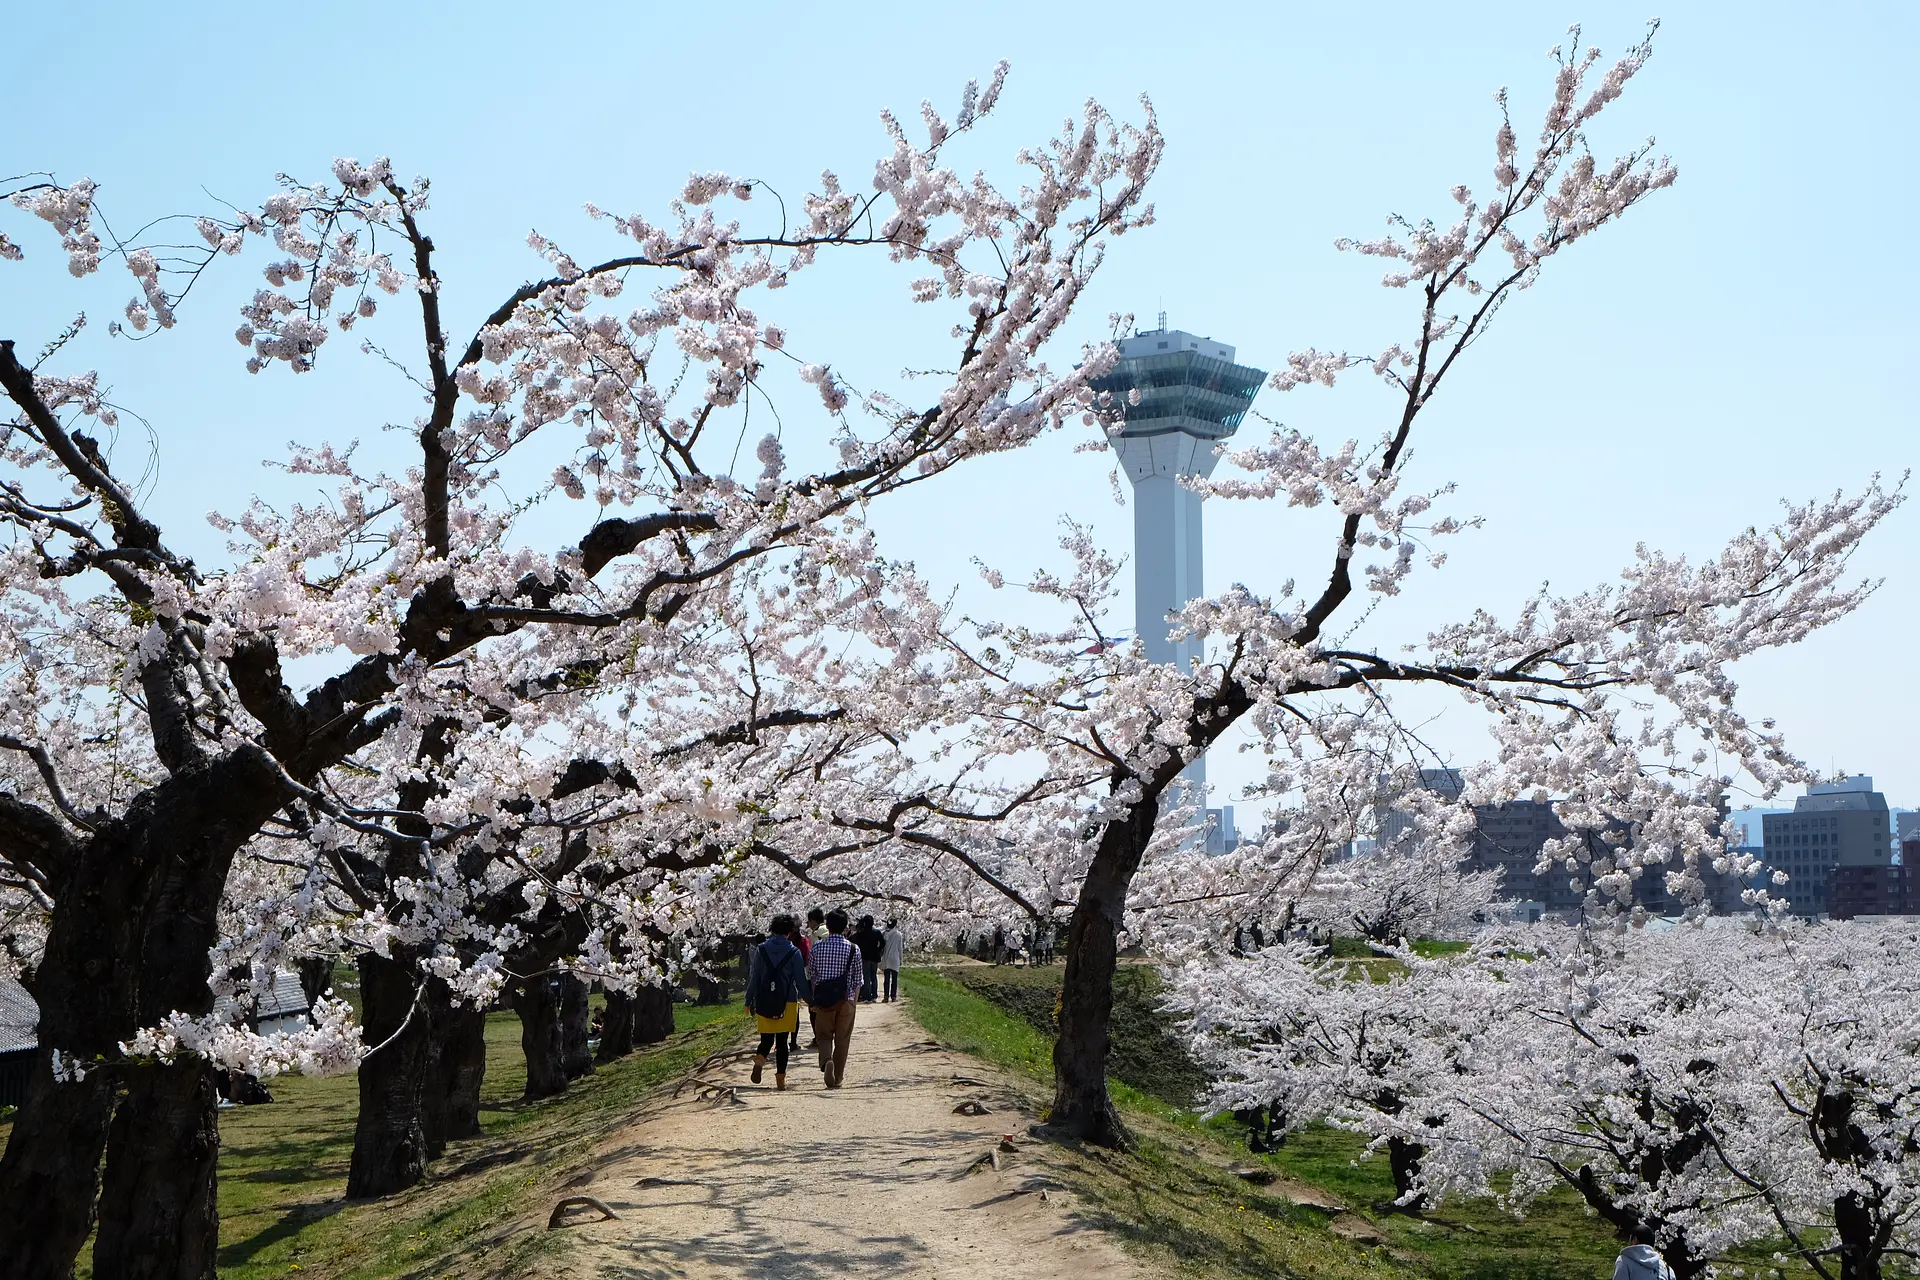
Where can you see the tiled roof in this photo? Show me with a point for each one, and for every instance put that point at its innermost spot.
(19, 1018)
(285, 997)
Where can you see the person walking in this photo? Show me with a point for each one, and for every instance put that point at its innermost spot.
(816, 929)
(775, 977)
(868, 939)
(798, 937)
(834, 970)
(893, 949)
(1640, 1260)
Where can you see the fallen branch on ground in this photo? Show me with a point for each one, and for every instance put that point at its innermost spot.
(558, 1218)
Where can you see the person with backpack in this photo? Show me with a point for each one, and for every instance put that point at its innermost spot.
(1640, 1260)
(868, 939)
(798, 937)
(834, 970)
(893, 950)
(776, 976)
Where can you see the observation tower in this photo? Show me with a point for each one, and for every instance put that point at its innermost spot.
(1192, 396)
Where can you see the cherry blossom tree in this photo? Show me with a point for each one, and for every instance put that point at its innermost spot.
(148, 732)
(1714, 1086)
(1612, 699)
(1326, 1041)
(1420, 890)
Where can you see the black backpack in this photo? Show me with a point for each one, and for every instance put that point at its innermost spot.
(769, 993)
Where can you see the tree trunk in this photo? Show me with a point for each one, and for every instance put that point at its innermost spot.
(159, 1218)
(53, 1165)
(616, 1029)
(316, 977)
(576, 1059)
(456, 1063)
(1081, 1107)
(1404, 1158)
(1860, 1249)
(652, 1014)
(142, 891)
(539, 1012)
(389, 1137)
(459, 1069)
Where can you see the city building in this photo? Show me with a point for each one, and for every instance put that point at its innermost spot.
(1834, 825)
(1222, 835)
(1511, 837)
(1872, 890)
(1390, 824)
(1191, 396)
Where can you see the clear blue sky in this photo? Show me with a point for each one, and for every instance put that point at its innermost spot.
(1747, 336)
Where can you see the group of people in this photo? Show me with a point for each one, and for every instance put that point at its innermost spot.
(829, 971)
(1000, 947)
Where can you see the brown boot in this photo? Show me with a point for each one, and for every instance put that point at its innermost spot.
(759, 1064)
(780, 1081)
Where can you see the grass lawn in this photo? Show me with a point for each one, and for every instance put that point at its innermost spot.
(1176, 1200)
(283, 1168)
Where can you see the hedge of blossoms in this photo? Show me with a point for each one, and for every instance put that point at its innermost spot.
(151, 744)
(1719, 1086)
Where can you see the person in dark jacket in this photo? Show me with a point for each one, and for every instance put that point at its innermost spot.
(871, 943)
(776, 976)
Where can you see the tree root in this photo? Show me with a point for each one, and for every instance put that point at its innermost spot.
(558, 1218)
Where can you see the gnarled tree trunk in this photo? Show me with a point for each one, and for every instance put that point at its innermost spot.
(458, 1068)
(136, 913)
(1081, 1107)
(576, 1059)
(389, 1137)
(53, 1164)
(616, 1028)
(316, 977)
(539, 1011)
(159, 1218)
(652, 1014)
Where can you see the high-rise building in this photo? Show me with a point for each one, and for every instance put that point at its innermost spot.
(1391, 824)
(1906, 825)
(1190, 396)
(1839, 824)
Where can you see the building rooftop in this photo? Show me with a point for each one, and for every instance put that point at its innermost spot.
(1185, 382)
(19, 1018)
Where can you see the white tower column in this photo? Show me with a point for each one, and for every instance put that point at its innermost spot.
(1182, 395)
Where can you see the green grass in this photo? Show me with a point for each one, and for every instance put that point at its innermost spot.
(1176, 1200)
(1146, 1056)
(283, 1167)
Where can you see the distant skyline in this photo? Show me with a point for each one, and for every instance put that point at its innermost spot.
(1741, 339)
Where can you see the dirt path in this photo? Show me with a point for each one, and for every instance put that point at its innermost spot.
(869, 1180)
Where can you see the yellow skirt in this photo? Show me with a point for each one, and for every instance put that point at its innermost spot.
(788, 1021)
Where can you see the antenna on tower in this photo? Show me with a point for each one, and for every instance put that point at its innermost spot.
(1163, 322)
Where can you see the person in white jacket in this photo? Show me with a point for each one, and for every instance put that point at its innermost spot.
(1640, 1260)
(893, 949)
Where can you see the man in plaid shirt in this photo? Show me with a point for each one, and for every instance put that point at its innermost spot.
(833, 968)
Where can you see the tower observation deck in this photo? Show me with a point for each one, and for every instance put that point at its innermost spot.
(1192, 396)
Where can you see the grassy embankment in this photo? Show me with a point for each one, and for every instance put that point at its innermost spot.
(1177, 1201)
(283, 1167)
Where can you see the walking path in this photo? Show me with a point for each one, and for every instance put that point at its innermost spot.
(870, 1180)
